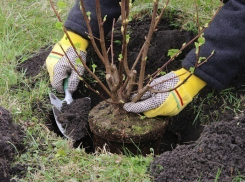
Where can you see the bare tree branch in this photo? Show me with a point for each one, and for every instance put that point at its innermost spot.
(90, 32)
(146, 46)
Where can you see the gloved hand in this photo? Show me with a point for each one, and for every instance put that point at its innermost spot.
(168, 103)
(59, 67)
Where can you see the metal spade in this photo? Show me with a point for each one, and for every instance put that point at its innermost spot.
(57, 105)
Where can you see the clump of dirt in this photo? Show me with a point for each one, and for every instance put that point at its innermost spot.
(105, 121)
(221, 147)
(120, 130)
(11, 144)
(34, 64)
(74, 118)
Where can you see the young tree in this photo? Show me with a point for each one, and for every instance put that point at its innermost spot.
(119, 87)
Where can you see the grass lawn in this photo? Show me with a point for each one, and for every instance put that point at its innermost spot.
(26, 26)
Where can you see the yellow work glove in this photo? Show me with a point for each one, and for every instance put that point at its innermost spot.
(168, 103)
(59, 67)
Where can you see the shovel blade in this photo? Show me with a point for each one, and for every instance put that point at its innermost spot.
(55, 101)
(56, 113)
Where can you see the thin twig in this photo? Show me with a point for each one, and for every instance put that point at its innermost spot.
(147, 45)
(102, 37)
(197, 18)
(160, 16)
(112, 51)
(93, 36)
(169, 90)
(123, 62)
(205, 60)
(90, 32)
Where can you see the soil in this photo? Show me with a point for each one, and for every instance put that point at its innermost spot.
(221, 146)
(33, 66)
(11, 144)
(74, 118)
(189, 150)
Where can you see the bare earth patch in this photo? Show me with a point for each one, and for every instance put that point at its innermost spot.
(11, 144)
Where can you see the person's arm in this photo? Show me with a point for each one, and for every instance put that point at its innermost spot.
(75, 21)
(226, 37)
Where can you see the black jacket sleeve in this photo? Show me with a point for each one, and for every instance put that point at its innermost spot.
(226, 36)
(75, 20)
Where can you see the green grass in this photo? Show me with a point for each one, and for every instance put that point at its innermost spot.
(218, 103)
(239, 178)
(26, 26)
(217, 175)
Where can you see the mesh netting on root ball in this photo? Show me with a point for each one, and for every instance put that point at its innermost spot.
(220, 148)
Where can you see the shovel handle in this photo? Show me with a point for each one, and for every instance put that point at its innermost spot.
(68, 95)
(66, 83)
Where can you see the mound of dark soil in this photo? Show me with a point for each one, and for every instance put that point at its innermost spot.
(34, 64)
(74, 118)
(11, 144)
(221, 147)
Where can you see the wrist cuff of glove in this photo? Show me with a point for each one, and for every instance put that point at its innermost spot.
(76, 39)
(193, 85)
